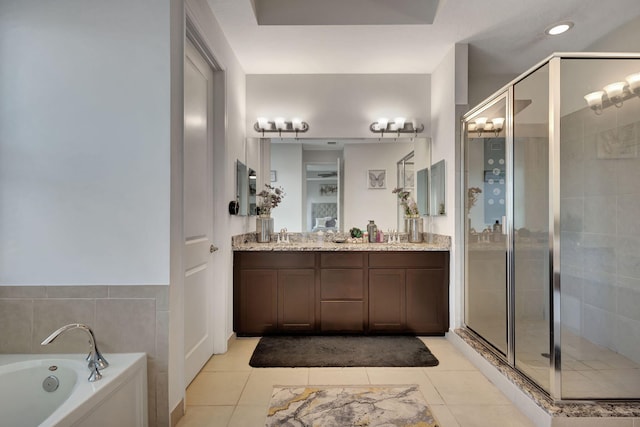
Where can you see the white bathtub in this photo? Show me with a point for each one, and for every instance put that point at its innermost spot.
(119, 399)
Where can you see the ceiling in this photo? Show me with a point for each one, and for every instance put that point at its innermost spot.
(504, 36)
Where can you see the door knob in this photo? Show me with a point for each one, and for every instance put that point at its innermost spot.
(212, 249)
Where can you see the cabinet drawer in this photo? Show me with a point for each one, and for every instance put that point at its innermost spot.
(342, 316)
(341, 260)
(340, 284)
(408, 259)
(275, 259)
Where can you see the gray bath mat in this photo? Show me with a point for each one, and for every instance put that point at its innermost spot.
(341, 351)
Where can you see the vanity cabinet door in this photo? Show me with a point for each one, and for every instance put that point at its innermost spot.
(258, 312)
(387, 297)
(296, 300)
(427, 301)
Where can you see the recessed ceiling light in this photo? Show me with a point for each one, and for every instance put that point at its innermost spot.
(558, 28)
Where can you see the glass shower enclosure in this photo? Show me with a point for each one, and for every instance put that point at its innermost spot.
(552, 225)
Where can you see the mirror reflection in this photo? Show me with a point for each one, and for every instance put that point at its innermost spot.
(242, 188)
(438, 206)
(422, 190)
(328, 184)
(252, 192)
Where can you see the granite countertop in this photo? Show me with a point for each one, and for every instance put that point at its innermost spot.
(431, 242)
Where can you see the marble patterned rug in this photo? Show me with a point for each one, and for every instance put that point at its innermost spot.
(363, 406)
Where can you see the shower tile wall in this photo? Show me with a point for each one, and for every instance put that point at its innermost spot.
(124, 319)
(600, 226)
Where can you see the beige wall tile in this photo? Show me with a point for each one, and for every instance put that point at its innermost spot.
(158, 292)
(161, 355)
(151, 395)
(22, 292)
(126, 325)
(77, 292)
(162, 399)
(51, 314)
(16, 318)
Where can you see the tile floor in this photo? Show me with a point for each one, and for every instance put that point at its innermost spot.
(228, 392)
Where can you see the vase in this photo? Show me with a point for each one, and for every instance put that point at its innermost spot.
(264, 228)
(414, 228)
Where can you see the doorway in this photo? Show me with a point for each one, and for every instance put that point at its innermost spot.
(198, 210)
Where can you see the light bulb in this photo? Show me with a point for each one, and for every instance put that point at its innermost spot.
(634, 81)
(498, 123)
(280, 124)
(594, 100)
(614, 92)
(263, 123)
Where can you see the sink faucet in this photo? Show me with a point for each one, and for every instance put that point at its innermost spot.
(95, 359)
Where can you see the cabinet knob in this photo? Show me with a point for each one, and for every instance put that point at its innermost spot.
(212, 249)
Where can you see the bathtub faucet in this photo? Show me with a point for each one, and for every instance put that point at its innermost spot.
(95, 359)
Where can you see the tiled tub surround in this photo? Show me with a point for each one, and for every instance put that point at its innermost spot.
(311, 242)
(561, 414)
(125, 319)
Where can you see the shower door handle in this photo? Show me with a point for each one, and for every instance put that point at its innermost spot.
(504, 224)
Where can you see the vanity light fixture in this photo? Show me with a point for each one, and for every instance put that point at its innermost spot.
(280, 125)
(483, 124)
(614, 93)
(398, 125)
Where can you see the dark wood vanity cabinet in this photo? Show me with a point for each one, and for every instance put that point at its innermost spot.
(341, 292)
(273, 292)
(408, 292)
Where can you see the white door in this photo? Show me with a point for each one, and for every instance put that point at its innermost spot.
(198, 211)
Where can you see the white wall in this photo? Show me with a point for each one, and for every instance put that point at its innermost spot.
(338, 105)
(362, 204)
(286, 160)
(229, 145)
(448, 99)
(84, 142)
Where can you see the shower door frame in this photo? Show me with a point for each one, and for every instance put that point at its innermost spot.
(555, 324)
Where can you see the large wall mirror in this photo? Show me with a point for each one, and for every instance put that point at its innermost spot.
(335, 184)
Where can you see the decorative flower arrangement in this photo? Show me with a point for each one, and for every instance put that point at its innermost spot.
(408, 204)
(472, 195)
(271, 198)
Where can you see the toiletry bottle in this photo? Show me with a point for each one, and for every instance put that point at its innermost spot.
(497, 232)
(372, 230)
